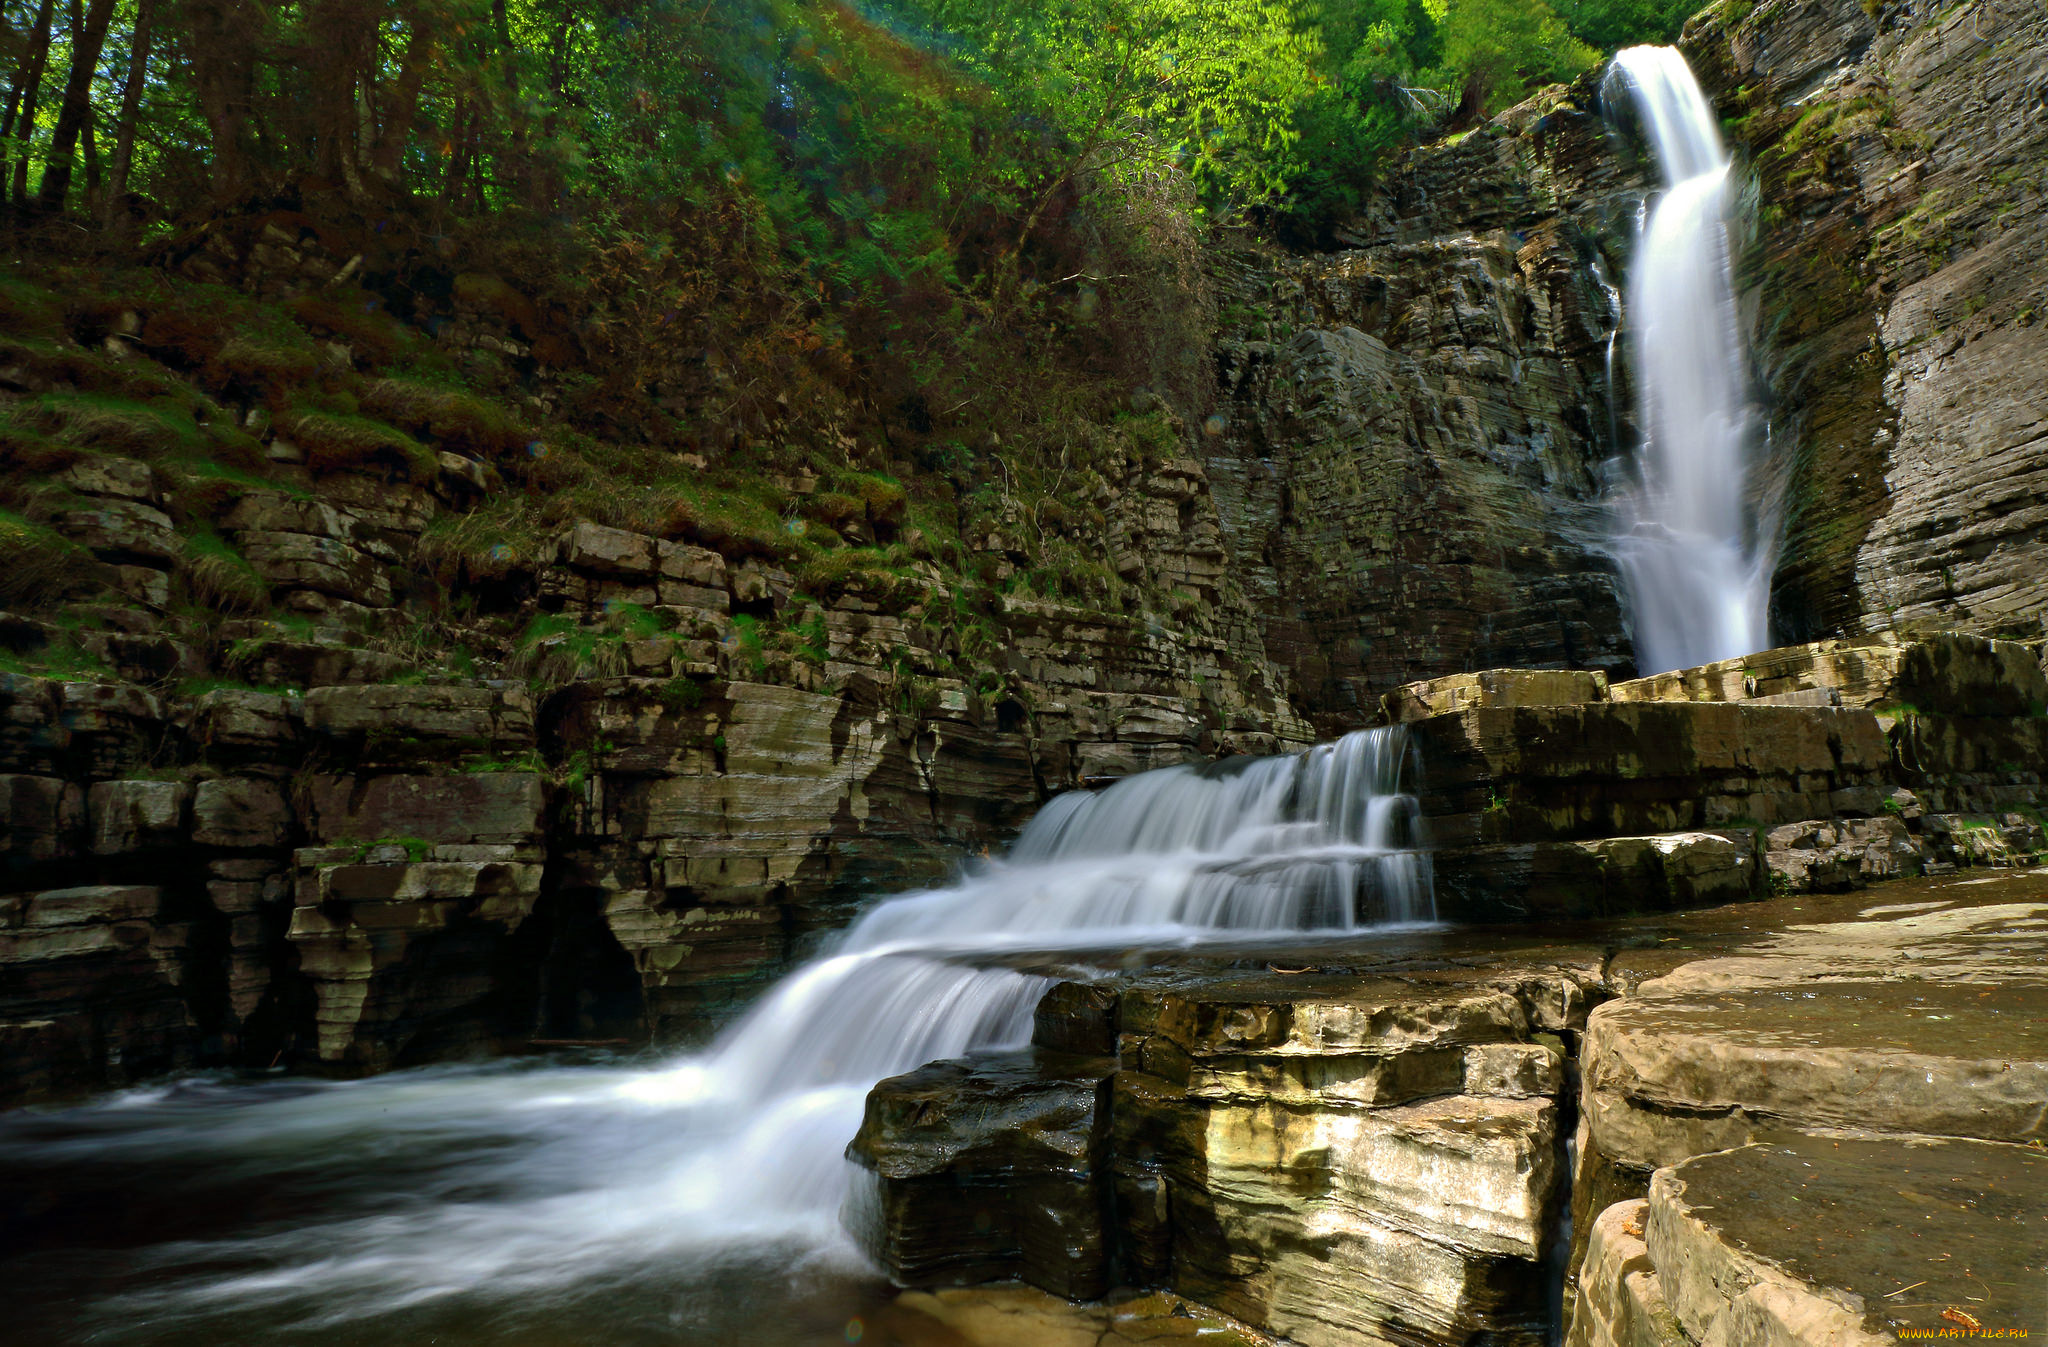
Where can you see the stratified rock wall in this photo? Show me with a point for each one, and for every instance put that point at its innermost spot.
(1363, 1142)
(1900, 275)
(1335, 1157)
(1416, 433)
(1407, 461)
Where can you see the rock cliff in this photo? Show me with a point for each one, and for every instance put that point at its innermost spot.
(1898, 268)
(1409, 457)
(1417, 433)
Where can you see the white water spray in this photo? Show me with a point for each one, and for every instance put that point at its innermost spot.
(1694, 561)
(549, 1184)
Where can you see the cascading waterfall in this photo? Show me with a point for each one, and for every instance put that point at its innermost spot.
(547, 1182)
(1695, 561)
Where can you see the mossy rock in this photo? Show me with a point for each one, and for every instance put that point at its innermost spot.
(457, 419)
(118, 425)
(334, 442)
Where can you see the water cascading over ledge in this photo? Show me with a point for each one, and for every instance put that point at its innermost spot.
(1694, 551)
(603, 1173)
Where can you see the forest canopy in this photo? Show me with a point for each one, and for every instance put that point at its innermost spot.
(154, 109)
(766, 223)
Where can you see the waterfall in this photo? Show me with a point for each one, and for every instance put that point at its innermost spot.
(543, 1184)
(1695, 562)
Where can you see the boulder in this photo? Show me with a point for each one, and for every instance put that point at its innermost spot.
(990, 1170)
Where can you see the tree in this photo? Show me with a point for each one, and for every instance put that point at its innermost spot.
(131, 108)
(87, 38)
(1498, 49)
(21, 101)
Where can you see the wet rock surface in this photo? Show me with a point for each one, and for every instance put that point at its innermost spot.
(1924, 1022)
(1819, 1239)
(1363, 1141)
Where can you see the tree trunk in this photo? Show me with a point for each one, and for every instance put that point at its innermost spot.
(29, 82)
(509, 163)
(131, 108)
(341, 51)
(89, 141)
(402, 105)
(221, 44)
(87, 37)
(460, 137)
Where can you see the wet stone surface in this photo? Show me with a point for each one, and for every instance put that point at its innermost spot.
(1911, 1235)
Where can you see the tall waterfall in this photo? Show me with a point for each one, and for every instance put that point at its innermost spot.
(1694, 561)
(545, 1183)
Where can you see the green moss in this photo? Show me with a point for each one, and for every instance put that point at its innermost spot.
(284, 360)
(416, 849)
(682, 694)
(455, 418)
(117, 425)
(356, 319)
(64, 661)
(528, 761)
(749, 641)
(29, 310)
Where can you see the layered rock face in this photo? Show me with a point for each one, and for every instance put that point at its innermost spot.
(1408, 459)
(1811, 767)
(1417, 432)
(616, 827)
(1898, 265)
(1363, 1141)
(367, 875)
(1332, 1154)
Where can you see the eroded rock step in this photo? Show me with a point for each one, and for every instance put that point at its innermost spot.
(1932, 1022)
(1325, 1150)
(1365, 1142)
(1808, 1240)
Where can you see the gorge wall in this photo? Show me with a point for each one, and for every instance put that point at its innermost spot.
(1419, 430)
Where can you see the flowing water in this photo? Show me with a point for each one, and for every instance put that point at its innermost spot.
(687, 1199)
(1695, 559)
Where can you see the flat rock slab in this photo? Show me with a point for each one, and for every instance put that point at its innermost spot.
(1673, 1077)
(1852, 1241)
(1932, 1022)
(1021, 1316)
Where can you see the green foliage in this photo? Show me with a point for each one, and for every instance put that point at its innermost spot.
(416, 849)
